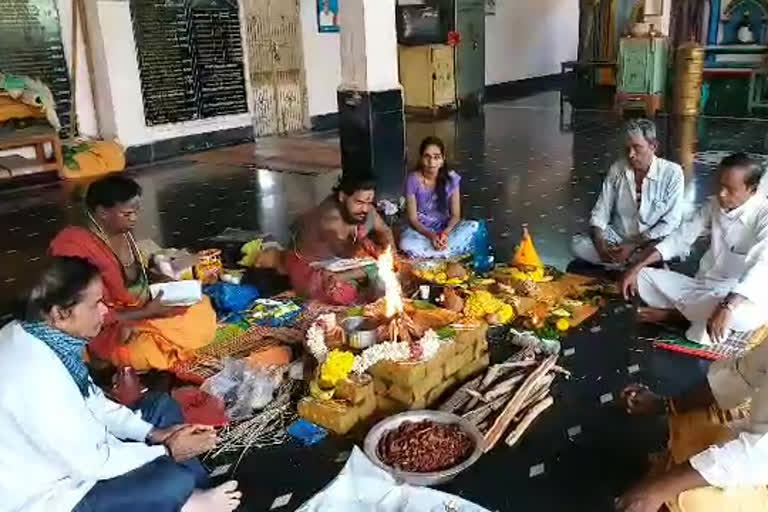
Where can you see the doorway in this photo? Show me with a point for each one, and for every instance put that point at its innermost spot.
(276, 66)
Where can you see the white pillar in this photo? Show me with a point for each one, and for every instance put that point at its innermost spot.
(368, 45)
(370, 98)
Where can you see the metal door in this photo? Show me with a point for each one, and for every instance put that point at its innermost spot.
(275, 66)
(470, 53)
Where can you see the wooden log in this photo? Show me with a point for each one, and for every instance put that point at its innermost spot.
(497, 370)
(535, 411)
(510, 411)
(502, 388)
(476, 396)
(486, 384)
(483, 412)
(519, 364)
(460, 396)
(536, 395)
(490, 375)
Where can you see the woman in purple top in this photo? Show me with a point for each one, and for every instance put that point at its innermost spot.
(433, 205)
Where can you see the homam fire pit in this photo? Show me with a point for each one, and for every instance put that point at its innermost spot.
(396, 325)
(418, 355)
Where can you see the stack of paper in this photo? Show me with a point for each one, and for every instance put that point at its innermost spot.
(178, 293)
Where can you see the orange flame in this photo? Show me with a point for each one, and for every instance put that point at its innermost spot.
(393, 294)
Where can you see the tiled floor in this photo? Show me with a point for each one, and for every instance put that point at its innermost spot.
(522, 162)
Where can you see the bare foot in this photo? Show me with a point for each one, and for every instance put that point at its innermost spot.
(224, 498)
(659, 316)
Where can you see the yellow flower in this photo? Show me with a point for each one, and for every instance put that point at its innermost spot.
(533, 275)
(336, 367)
(482, 303)
(505, 313)
(563, 324)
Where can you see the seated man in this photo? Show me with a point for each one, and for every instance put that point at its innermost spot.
(718, 456)
(641, 202)
(730, 290)
(344, 225)
(64, 445)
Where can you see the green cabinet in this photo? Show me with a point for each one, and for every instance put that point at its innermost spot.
(642, 65)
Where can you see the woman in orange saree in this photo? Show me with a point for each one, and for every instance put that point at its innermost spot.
(139, 331)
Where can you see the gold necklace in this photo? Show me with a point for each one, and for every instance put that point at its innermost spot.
(133, 248)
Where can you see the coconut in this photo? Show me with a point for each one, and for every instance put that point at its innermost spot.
(456, 271)
(452, 301)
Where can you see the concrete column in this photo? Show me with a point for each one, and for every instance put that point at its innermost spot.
(370, 98)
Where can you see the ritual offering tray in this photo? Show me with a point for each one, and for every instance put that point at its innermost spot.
(424, 447)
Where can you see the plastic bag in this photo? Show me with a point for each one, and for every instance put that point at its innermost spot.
(231, 298)
(255, 392)
(243, 389)
(528, 339)
(306, 432)
(175, 263)
(224, 384)
(482, 255)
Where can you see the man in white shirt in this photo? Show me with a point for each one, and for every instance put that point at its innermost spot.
(641, 202)
(730, 290)
(64, 446)
(719, 458)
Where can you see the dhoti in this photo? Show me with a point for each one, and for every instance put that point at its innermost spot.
(696, 299)
(583, 248)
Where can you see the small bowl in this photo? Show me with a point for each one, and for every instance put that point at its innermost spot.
(359, 334)
(371, 446)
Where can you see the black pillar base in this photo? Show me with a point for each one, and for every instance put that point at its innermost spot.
(372, 132)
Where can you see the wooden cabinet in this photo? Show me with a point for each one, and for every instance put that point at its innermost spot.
(642, 65)
(427, 76)
(642, 73)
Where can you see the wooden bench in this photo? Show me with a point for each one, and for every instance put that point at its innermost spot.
(37, 137)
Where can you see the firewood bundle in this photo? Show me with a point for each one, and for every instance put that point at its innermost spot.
(508, 395)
